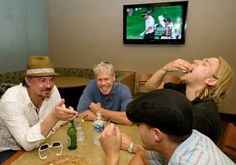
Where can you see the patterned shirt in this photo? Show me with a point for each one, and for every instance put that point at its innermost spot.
(198, 149)
(117, 100)
(19, 121)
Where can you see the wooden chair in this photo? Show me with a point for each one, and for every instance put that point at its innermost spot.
(228, 144)
(171, 78)
(141, 79)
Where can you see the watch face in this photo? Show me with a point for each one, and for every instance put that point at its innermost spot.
(130, 147)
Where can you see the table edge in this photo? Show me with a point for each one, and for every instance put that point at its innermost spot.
(13, 157)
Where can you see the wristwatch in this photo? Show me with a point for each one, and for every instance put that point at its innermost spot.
(131, 147)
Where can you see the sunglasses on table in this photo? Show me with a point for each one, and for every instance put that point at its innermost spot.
(44, 147)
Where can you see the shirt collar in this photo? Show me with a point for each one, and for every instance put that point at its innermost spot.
(27, 98)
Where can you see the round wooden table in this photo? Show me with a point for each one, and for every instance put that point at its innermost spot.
(93, 154)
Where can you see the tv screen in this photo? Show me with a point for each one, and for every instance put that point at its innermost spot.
(155, 23)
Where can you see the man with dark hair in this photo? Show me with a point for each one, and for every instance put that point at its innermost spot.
(164, 122)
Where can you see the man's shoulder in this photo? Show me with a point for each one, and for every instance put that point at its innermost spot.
(17, 94)
(13, 91)
(121, 90)
(91, 89)
(91, 84)
(120, 85)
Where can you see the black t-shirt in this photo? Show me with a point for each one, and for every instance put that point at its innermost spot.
(206, 118)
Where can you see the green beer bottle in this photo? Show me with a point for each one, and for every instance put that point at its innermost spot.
(72, 136)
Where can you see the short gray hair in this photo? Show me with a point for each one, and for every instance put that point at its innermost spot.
(104, 66)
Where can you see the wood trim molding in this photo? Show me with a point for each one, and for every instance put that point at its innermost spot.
(228, 117)
(13, 157)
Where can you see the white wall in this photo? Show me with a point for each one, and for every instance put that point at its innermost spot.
(23, 31)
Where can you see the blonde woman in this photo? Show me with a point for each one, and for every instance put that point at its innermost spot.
(205, 82)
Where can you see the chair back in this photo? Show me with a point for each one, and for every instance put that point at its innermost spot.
(171, 79)
(141, 79)
(228, 144)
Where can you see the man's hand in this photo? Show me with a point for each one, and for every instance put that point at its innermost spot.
(125, 141)
(110, 141)
(95, 107)
(60, 112)
(178, 65)
(90, 115)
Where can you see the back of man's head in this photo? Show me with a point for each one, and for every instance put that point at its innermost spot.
(165, 109)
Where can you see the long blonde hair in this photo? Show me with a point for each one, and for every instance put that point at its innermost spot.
(224, 75)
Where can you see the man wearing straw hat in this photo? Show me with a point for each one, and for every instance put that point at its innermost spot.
(29, 111)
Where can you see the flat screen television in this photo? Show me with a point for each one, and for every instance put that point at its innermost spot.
(155, 23)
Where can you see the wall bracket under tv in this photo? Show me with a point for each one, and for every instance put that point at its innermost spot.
(155, 23)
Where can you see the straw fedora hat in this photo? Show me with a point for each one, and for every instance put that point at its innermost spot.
(40, 66)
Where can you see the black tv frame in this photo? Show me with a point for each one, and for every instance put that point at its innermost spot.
(184, 7)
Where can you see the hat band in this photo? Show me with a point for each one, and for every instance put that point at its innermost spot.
(39, 71)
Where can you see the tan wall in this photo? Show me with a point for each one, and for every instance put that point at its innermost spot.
(84, 32)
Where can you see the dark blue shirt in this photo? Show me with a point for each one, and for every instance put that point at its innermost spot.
(117, 100)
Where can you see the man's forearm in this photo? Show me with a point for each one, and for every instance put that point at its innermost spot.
(47, 124)
(112, 160)
(139, 158)
(155, 81)
(137, 148)
(90, 116)
(116, 117)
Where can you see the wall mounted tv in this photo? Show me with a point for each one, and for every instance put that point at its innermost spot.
(166, 22)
